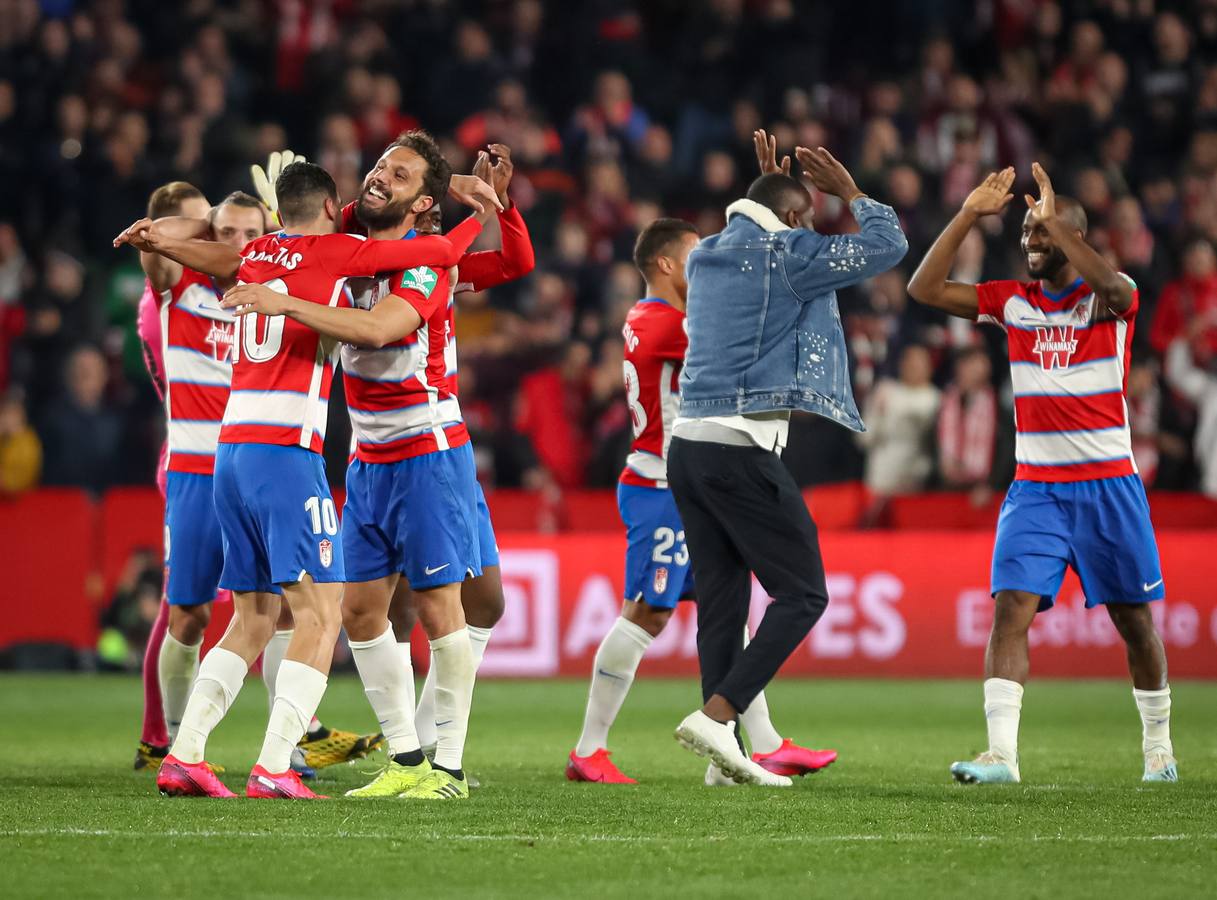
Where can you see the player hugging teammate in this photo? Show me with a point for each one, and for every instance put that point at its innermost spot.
(280, 528)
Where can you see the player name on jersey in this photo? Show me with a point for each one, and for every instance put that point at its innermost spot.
(1069, 369)
(655, 345)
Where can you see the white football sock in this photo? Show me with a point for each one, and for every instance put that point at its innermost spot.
(1003, 705)
(452, 661)
(176, 668)
(272, 658)
(387, 681)
(612, 674)
(478, 639)
(755, 720)
(298, 692)
(1155, 709)
(762, 736)
(424, 716)
(217, 685)
(407, 660)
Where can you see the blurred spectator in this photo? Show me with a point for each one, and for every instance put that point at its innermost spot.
(1144, 414)
(20, 449)
(967, 426)
(900, 416)
(127, 621)
(1198, 385)
(82, 434)
(1191, 298)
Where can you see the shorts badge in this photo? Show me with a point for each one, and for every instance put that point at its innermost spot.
(327, 552)
(661, 579)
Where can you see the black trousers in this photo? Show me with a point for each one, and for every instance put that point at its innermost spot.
(743, 513)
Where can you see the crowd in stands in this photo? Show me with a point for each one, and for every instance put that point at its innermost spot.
(618, 112)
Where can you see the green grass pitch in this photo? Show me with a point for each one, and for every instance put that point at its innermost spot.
(75, 821)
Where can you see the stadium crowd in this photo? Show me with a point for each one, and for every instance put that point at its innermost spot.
(617, 112)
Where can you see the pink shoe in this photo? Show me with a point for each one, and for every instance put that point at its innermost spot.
(597, 767)
(284, 786)
(178, 779)
(790, 759)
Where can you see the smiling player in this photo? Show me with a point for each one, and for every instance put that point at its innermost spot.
(1076, 499)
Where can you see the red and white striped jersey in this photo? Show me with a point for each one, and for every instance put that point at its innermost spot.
(282, 370)
(401, 397)
(655, 345)
(1069, 370)
(196, 359)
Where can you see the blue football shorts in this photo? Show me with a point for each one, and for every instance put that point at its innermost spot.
(194, 548)
(277, 517)
(657, 568)
(417, 516)
(1101, 528)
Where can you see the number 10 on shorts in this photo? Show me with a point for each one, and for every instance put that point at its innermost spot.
(323, 515)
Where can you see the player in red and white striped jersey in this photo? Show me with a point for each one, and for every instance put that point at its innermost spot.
(1076, 499)
(195, 362)
(411, 489)
(278, 519)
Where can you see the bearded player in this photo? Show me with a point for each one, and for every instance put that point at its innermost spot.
(411, 506)
(657, 572)
(1076, 499)
(276, 514)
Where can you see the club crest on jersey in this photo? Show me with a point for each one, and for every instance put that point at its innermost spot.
(660, 582)
(326, 548)
(1055, 346)
(420, 278)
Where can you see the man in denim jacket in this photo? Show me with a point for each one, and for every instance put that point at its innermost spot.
(765, 338)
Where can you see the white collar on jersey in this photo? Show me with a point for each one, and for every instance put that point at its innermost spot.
(761, 215)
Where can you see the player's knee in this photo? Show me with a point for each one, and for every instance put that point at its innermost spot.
(187, 623)
(320, 619)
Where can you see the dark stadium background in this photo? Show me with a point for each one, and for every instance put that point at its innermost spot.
(616, 112)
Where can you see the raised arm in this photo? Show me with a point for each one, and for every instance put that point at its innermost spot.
(348, 255)
(930, 284)
(162, 271)
(390, 320)
(490, 268)
(1109, 286)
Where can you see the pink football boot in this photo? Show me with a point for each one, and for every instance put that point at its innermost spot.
(178, 779)
(597, 767)
(284, 786)
(790, 759)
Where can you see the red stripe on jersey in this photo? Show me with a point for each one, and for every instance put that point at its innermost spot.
(655, 345)
(1116, 468)
(1069, 413)
(407, 448)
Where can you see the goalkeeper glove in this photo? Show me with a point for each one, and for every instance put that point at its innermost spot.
(264, 179)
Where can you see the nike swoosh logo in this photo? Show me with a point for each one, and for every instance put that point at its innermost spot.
(431, 571)
(443, 723)
(610, 675)
(1150, 587)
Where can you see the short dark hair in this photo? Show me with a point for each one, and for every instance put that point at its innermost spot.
(302, 189)
(778, 192)
(439, 173)
(167, 199)
(1072, 211)
(242, 199)
(655, 239)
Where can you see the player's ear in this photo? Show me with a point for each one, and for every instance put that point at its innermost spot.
(331, 209)
(422, 204)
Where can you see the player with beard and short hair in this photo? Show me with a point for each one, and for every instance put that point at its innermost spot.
(411, 507)
(481, 597)
(1077, 500)
(279, 524)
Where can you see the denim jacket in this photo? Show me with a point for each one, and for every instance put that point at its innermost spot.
(764, 330)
